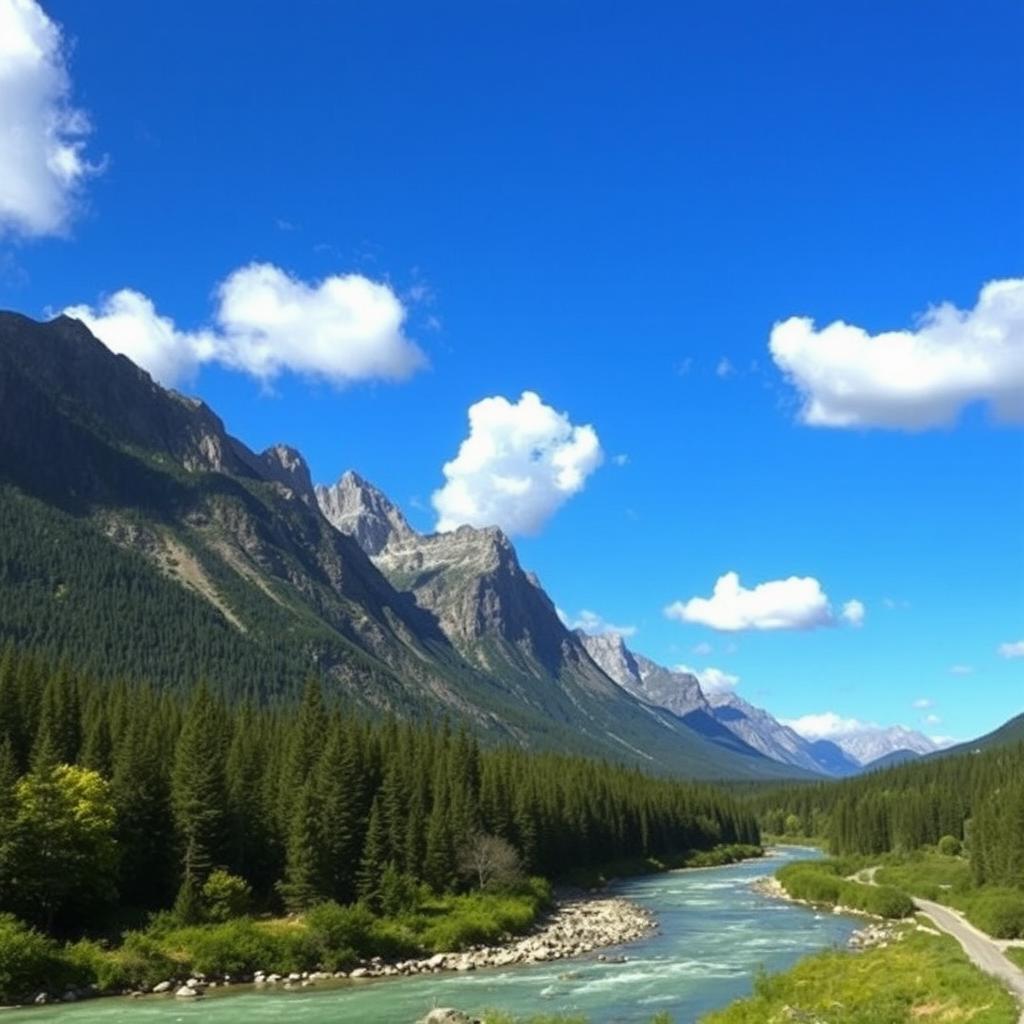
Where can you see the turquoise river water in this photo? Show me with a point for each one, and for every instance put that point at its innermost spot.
(714, 932)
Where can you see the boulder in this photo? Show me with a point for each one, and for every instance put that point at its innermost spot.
(187, 992)
(446, 1015)
(162, 986)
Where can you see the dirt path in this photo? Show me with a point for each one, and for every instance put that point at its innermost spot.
(981, 949)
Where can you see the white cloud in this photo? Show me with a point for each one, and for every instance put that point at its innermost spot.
(127, 323)
(895, 604)
(712, 680)
(1012, 650)
(703, 649)
(519, 464)
(961, 670)
(620, 460)
(724, 368)
(342, 329)
(826, 726)
(596, 625)
(793, 603)
(42, 136)
(910, 379)
(931, 720)
(853, 613)
(923, 703)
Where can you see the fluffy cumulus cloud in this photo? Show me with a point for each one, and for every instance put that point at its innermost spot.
(520, 463)
(853, 612)
(342, 329)
(910, 379)
(712, 680)
(42, 135)
(1014, 649)
(827, 726)
(798, 602)
(590, 622)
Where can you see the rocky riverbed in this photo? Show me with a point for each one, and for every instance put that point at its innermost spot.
(578, 924)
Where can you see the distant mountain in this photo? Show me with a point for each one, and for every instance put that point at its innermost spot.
(868, 744)
(1008, 733)
(764, 732)
(897, 757)
(725, 718)
(678, 692)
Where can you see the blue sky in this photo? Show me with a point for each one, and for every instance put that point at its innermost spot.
(610, 206)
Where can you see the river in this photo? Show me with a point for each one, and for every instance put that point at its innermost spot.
(714, 933)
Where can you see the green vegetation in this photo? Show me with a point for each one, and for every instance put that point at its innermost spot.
(499, 1017)
(329, 937)
(826, 882)
(724, 853)
(120, 802)
(948, 829)
(919, 978)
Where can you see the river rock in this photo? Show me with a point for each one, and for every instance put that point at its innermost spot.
(446, 1015)
(162, 986)
(188, 992)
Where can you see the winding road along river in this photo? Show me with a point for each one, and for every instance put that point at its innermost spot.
(714, 932)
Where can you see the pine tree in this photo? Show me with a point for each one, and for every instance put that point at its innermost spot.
(374, 860)
(198, 789)
(303, 885)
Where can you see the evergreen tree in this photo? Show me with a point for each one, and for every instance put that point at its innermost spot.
(198, 789)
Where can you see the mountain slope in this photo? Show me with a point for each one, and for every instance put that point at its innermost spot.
(873, 742)
(139, 535)
(1007, 734)
(501, 620)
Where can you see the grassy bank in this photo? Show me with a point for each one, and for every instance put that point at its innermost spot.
(930, 875)
(920, 978)
(593, 878)
(825, 882)
(329, 937)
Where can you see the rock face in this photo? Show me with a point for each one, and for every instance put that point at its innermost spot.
(724, 718)
(355, 507)
(874, 742)
(775, 740)
(469, 579)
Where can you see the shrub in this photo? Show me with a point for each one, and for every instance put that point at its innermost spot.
(225, 896)
(141, 960)
(28, 960)
(949, 846)
(340, 934)
(1000, 912)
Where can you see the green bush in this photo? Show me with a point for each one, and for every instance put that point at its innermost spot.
(235, 947)
(340, 934)
(28, 960)
(949, 846)
(825, 882)
(999, 912)
(225, 896)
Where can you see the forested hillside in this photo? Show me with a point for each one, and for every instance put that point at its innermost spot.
(976, 798)
(122, 796)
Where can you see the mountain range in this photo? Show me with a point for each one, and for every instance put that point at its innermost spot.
(140, 537)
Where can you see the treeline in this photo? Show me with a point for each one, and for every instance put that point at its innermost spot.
(122, 795)
(976, 799)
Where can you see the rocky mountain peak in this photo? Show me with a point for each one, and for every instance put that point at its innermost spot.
(286, 466)
(613, 657)
(354, 506)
